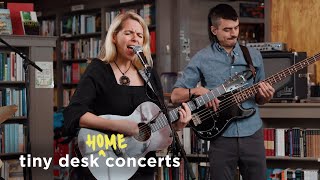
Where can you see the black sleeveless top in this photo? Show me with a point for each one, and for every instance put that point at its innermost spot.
(99, 93)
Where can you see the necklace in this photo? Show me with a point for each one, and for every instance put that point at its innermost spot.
(124, 80)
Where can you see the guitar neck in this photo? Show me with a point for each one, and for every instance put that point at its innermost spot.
(161, 120)
(249, 92)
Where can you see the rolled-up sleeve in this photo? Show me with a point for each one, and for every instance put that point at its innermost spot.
(191, 74)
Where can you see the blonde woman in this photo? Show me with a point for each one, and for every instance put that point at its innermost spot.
(113, 85)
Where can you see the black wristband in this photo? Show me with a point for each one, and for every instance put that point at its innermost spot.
(189, 94)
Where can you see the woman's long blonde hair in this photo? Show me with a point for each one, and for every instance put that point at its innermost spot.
(108, 51)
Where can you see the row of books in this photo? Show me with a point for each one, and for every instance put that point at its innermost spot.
(61, 150)
(91, 23)
(11, 67)
(29, 22)
(11, 96)
(191, 143)
(292, 174)
(80, 49)
(153, 42)
(47, 28)
(12, 138)
(72, 73)
(80, 24)
(200, 170)
(147, 12)
(292, 142)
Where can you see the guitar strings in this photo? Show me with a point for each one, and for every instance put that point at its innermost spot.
(228, 102)
(144, 127)
(232, 100)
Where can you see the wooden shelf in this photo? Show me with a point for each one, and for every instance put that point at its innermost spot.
(246, 20)
(129, 4)
(8, 156)
(286, 158)
(70, 84)
(16, 120)
(67, 61)
(12, 83)
(80, 36)
(290, 110)
(29, 40)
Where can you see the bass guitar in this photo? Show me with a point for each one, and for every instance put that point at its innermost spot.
(210, 124)
(154, 134)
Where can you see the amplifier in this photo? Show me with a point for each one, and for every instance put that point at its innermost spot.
(268, 46)
(292, 88)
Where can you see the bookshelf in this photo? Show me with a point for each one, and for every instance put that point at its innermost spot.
(274, 116)
(38, 120)
(292, 115)
(80, 35)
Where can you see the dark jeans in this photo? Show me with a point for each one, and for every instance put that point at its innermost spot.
(247, 153)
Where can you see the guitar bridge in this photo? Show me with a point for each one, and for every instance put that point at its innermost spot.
(196, 120)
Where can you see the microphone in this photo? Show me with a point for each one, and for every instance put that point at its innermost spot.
(139, 52)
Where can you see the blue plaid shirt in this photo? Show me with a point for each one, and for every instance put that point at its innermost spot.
(212, 66)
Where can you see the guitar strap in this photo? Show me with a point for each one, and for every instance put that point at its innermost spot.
(248, 59)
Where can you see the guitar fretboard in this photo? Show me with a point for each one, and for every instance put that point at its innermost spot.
(161, 121)
(249, 92)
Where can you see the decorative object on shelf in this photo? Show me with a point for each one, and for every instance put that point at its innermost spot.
(15, 9)
(30, 23)
(5, 22)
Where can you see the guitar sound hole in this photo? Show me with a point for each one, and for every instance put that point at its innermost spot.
(144, 132)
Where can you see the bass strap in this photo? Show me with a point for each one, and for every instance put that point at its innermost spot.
(248, 59)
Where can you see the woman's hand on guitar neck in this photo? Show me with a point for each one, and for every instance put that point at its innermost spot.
(184, 117)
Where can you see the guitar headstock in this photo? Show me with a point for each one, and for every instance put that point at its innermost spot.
(235, 82)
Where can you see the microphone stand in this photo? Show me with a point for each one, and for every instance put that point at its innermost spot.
(176, 144)
(26, 63)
